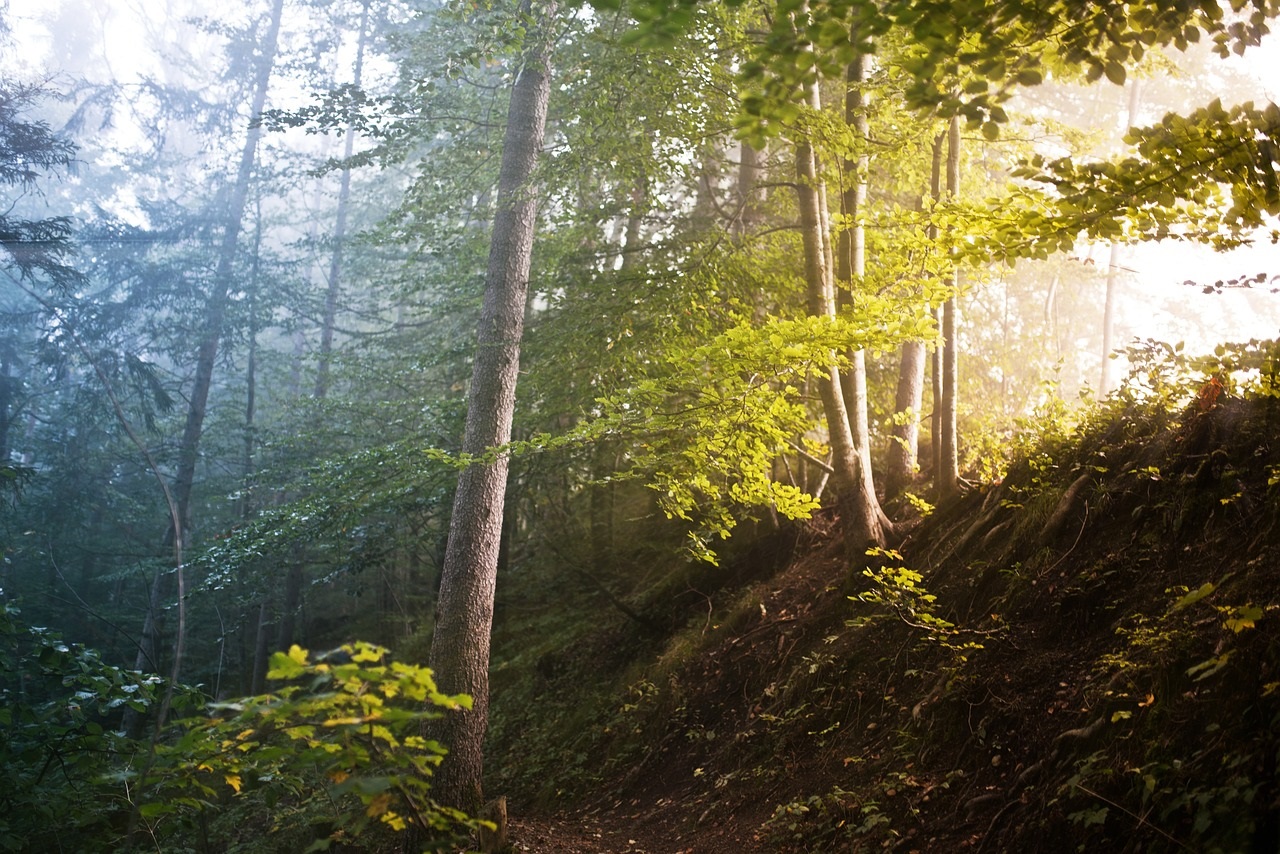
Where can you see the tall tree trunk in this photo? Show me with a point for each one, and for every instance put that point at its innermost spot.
(460, 646)
(291, 602)
(948, 476)
(851, 267)
(206, 356)
(1108, 319)
(904, 448)
(629, 253)
(935, 417)
(334, 288)
(859, 509)
(251, 621)
(935, 361)
(603, 491)
(224, 275)
(748, 192)
(601, 504)
(1113, 272)
(7, 384)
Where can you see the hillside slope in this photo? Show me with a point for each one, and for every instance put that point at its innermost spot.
(1097, 672)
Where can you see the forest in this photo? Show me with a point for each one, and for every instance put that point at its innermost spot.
(639, 426)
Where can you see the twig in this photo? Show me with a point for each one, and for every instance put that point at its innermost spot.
(1141, 820)
(1059, 561)
(87, 607)
(826, 467)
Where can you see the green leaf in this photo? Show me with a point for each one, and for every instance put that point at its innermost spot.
(1029, 77)
(1207, 668)
(288, 665)
(1194, 596)
(1246, 617)
(152, 810)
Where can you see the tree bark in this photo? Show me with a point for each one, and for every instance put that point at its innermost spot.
(251, 623)
(460, 646)
(1113, 272)
(948, 476)
(334, 287)
(1109, 319)
(852, 267)
(859, 509)
(904, 449)
(748, 192)
(935, 417)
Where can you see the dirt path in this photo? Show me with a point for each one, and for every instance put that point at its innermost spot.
(639, 831)
(574, 835)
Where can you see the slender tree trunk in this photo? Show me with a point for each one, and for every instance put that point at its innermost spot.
(334, 288)
(206, 356)
(1051, 315)
(602, 491)
(629, 254)
(261, 651)
(1109, 319)
(251, 382)
(948, 476)
(1113, 272)
(7, 384)
(859, 509)
(935, 359)
(935, 417)
(460, 647)
(292, 603)
(601, 508)
(251, 618)
(750, 170)
(216, 307)
(904, 449)
(851, 268)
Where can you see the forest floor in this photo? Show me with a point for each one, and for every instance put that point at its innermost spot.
(619, 833)
(1107, 676)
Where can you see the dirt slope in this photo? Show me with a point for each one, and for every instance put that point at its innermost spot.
(1098, 672)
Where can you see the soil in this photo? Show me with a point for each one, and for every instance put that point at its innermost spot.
(1070, 675)
(642, 832)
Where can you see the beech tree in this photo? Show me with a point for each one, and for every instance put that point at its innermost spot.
(850, 458)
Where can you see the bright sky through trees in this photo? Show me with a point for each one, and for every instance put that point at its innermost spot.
(126, 40)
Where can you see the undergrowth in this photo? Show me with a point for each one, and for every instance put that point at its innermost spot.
(1077, 656)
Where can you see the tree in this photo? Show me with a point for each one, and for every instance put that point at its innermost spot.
(215, 314)
(851, 272)
(947, 475)
(860, 509)
(460, 646)
(334, 284)
(36, 251)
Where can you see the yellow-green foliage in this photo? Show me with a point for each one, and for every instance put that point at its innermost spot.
(334, 752)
